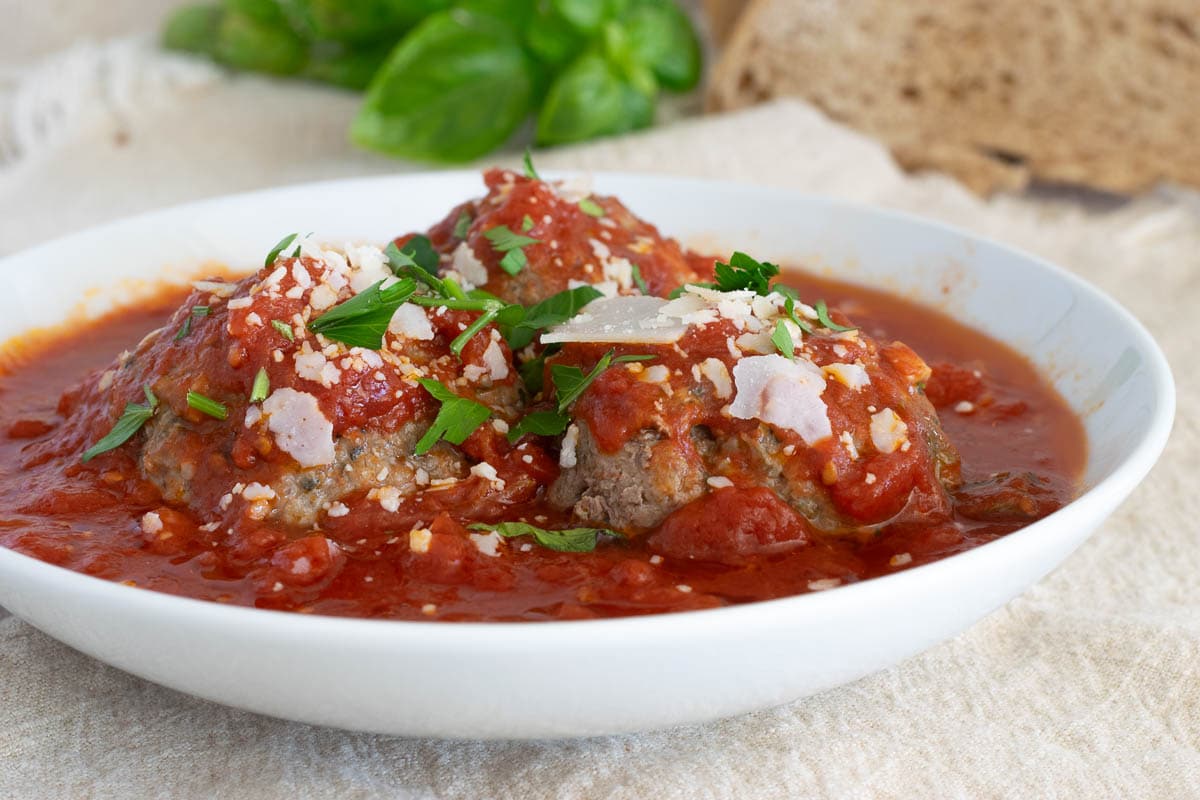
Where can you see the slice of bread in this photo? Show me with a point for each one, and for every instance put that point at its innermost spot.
(1100, 93)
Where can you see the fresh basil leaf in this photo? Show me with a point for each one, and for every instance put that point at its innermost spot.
(279, 247)
(591, 98)
(362, 320)
(570, 540)
(824, 318)
(366, 20)
(552, 39)
(554, 310)
(782, 339)
(570, 382)
(662, 37)
(584, 16)
(348, 66)
(456, 419)
(540, 423)
(129, 423)
(193, 29)
(618, 49)
(246, 43)
(454, 89)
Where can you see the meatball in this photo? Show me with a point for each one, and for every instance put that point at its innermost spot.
(330, 422)
(580, 238)
(838, 428)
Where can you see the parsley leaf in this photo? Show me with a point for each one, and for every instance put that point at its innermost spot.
(571, 540)
(570, 382)
(505, 241)
(420, 250)
(638, 280)
(744, 272)
(284, 329)
(130, 422)
(279, 248)
(462, 225)
(527, 224)
(590, 207)
(823, 317)
(405, 266)
(456, 420)
(556, 309)
(782, 339)
(362, 320)
(541, 423)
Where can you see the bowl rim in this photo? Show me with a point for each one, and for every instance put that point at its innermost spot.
(1120, 481)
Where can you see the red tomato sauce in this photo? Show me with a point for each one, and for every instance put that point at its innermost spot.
(88, 521)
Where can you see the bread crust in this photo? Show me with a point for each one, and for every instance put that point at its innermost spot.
(1099, 93)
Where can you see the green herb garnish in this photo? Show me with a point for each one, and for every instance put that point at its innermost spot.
(511, 245)
(279, 248)
(638, 280)
(571, 540)
(823, 317)
(362, 320)
(262, 386)
(541, 423)
(420, 250)
(462, 225)
(782, 339)
(186, 328)
(206, 405)
(590, 207)
(456, 419)
(284, 329)
(527, 224)
(570, 382)
(530, 171)
(129, 423)
(556, 309)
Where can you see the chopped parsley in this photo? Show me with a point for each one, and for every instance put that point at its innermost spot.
(782, 339)
(571, 540)
(540, 423)
(262, 386)
(206, 405)
(284, 329)
(511, 245)
(456, 419)
(527, 224)
(570, 382)
(130, 422)
(419, 251)
(638, 280)
(462, 225)
(279, 248)
(362, 320)
(556, 309)
(186, 327)
(823, 318)
(590, 207)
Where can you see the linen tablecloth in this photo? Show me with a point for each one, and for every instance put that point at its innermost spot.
(1086, 686)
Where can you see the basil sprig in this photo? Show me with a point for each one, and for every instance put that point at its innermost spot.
(570, 540)
(130, 422)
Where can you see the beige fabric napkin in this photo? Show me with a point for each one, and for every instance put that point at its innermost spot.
(1086, 686)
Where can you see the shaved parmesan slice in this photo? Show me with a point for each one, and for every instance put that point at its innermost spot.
(634, 319)
(783, 393)
(300, 429)
(718, 375)
(411, 322)
(467, 264)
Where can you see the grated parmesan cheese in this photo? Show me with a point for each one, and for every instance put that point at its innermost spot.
(301, 430)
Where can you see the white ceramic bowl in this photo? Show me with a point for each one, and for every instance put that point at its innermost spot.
(579, 678)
